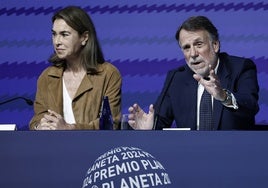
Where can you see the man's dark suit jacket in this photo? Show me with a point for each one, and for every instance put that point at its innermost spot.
(178, 99)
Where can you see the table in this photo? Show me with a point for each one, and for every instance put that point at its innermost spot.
(169, 158)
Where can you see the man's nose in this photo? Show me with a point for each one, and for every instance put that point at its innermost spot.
(193, 52)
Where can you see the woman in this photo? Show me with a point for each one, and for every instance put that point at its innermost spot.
(69, 93)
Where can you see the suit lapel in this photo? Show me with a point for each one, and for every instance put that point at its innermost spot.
(54, 83)
(85, 85)
(191, 93)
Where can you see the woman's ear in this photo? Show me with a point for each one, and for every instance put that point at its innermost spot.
(84, 38)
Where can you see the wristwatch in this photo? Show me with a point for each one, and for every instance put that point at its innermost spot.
(228, 99)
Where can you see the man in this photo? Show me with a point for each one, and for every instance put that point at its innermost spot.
(229, 82)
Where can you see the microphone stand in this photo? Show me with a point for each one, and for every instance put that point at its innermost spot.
(28, 101)
(180, 69)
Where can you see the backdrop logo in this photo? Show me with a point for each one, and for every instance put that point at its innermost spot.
(126, 167)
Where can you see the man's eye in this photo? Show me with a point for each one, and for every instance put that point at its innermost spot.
(185, 48)
(199, 44)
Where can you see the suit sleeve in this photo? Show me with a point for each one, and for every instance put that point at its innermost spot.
(245, 90)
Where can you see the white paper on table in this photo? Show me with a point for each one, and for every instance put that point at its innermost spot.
(8, 127)
(176, 129)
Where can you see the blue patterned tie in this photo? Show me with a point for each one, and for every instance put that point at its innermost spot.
(205, 116)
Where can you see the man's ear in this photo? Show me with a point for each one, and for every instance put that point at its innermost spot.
(216, 45)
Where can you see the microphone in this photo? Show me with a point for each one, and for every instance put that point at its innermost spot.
(28, 101)
(180, 69)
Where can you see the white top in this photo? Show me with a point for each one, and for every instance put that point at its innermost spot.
(67, 106)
